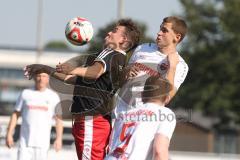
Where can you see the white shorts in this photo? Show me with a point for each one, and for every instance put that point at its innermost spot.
(32, 153)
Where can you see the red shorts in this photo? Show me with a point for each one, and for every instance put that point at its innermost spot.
(91, 134)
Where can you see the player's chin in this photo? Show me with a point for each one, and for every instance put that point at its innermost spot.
(109, 44)
(105, 43)
(106, 39)
(158, 40)
(159, 43)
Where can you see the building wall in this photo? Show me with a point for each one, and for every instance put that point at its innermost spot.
(188, 137)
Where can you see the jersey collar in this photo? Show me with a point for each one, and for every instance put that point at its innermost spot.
(121, 51)
(161, 54)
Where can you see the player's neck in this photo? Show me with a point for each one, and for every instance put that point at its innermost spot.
(39, 88)
(120, 50)
(167, 50)
(157, 102)
(116, 48)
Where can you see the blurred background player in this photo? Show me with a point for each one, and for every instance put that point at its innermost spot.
(144, 133)
(36, 106)
(95, 83)
(160, 58)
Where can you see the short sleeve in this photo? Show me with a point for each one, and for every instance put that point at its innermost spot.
(167, 125)
(105, 58)
(146, 47)
(132, 59)
(19, 103)
(57, 110)
(180, 74)
(56, 99)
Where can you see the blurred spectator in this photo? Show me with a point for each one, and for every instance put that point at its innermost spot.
(37, 108)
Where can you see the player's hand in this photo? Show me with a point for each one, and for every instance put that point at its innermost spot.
(65, 68)
(9, 141)
(31, 70)
(57, 145)
(132, 72)
(173, 59)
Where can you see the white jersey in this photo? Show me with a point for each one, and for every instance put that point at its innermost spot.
(134, 131)
(151, 62)
(37, 110)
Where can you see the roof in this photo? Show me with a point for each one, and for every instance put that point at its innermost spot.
(18, 58)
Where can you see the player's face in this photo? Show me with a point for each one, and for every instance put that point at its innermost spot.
(166, 36)
(41, 81)
(115, 37)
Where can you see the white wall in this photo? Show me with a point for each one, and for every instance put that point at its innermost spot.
(21, 58)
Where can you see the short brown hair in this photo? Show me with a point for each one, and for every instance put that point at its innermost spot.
(156, 88)
(178, 25)
(132, 32)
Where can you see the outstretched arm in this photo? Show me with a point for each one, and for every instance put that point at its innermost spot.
(94, 71)
(10, 130)
(70, 79)
(32, 69)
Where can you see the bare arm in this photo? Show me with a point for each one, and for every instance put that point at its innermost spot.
(30, 70)
(59, 133)
(10, 130)
(94, 71)
(69, 79)
(160, 147)
(170, 76)
(173, 59)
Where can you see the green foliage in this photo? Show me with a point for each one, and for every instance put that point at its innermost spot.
(59, 45)
(212, 52)
(97, 42)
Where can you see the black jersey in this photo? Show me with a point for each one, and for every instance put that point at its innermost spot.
(91, 96)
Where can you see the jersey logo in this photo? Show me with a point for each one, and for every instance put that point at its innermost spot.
(163, 67)
(47, 102)
(34, 107)
(120, 68)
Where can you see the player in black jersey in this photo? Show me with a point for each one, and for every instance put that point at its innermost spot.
(95, 83)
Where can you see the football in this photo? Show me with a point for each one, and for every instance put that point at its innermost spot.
(79, 31)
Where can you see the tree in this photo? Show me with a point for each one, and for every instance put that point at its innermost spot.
(59, 45)
(213, 53)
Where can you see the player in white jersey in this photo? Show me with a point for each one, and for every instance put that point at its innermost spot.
(152, 59)
(37, 109)
(144, 133)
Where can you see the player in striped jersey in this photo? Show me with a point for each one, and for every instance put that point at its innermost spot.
(95, 84)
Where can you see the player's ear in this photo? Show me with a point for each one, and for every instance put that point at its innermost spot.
(167, 99)
(124, 38)
(126, 45)
(178, 37)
